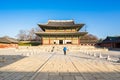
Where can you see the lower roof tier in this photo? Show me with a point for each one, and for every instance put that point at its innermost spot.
(61, 33)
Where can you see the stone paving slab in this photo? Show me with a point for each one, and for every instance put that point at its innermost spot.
(23, 68)
(57, 66)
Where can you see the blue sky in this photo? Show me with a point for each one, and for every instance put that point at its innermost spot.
(102, 17)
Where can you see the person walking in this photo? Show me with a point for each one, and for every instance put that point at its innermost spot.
(64, 49)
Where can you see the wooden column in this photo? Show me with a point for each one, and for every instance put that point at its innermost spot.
(72, 39)
(78, 40)
(49, 39)
(42, 40)
(65, 38)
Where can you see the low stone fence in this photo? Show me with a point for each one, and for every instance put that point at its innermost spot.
(8, 45)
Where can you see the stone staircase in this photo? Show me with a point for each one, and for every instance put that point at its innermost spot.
(58, 48)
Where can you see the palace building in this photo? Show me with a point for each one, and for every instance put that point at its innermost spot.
(8, 42)
(110, 42)
(61, 32)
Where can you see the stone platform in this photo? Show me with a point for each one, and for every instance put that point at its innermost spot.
(56, 66)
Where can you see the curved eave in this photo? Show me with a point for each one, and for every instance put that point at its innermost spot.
(4, 42)
(8, 41)
(60, 34)
(75, 26)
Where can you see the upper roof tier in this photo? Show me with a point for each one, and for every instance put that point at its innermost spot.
(60, 22)
(65, 24)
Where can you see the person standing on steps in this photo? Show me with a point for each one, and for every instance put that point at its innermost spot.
(64, 49)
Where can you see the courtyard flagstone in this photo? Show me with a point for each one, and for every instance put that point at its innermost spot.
(57, 66)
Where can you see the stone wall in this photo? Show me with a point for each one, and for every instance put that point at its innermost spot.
(8, 45)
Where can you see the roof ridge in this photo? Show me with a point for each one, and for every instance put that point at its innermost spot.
(60, 21)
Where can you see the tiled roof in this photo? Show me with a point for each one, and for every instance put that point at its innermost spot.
(8, 40)
(111, 39)
(54, 24)
(60, 22)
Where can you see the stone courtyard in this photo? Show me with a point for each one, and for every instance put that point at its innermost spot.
(49, 63)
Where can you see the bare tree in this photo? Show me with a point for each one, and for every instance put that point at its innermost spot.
(22, 35)
(29, 34)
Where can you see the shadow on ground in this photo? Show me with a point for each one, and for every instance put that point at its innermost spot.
(81, 57)
(9, 59)
(6, 75)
